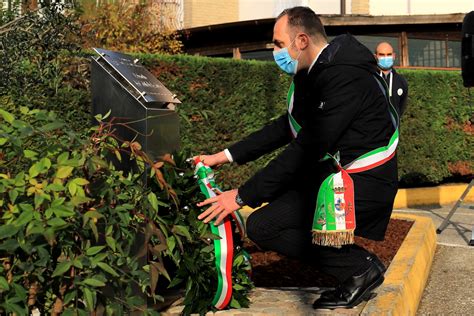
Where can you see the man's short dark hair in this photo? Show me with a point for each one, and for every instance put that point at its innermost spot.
(305, 19)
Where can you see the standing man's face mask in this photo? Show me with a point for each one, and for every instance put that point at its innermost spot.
(285, 62)
(386, 62)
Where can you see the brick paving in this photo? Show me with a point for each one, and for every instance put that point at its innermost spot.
(278, 302)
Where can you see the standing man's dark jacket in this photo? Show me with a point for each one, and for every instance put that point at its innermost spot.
(341, 108)
(399, 91)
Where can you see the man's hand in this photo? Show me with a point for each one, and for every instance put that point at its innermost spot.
(214, 160)
(222, 205)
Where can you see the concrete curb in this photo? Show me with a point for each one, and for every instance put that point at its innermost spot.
(440, 195)
(406, 277)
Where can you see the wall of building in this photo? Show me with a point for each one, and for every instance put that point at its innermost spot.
(262, 9)
(209, 12)
(412, 7)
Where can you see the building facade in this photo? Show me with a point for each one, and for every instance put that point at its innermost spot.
(424, 33)
(210, 12)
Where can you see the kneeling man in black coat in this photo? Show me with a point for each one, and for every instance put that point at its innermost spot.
(336, 104)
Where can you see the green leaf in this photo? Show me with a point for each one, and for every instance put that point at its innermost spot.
(3, 140)
(49, 235)
(100, 257)
(63, 211)
(89, 296)
(64, 172)
(69, 297)
(30, 153)
(56, 222)
(93, 282)
(78, 200)
(72, 187)
(171, 243)
(4, 284)
(183, 231)
(56, 187)
(175, 282)
(35, 169)
(62, 159)
(62, 268)
(24, 218)
(20, 179)
(7, 116)
(238, 287)
(94, 250)
(15, 308)
(46, 163)
(95, 231)
(111, 242)
(77, 263)
(52, 126)
(9, 245)
(234, 303)
(80, 181)
(153, 200)
(34, 229)
(13, 194)
(26, 207)
(8, 231)
(57, 202)
(107, 268)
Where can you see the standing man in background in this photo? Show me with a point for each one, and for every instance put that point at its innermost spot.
(397, 85)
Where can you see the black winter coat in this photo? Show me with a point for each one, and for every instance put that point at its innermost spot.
(399, 91)
(340, 107)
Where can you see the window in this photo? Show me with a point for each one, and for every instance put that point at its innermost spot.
(434, 53)
(258, 55)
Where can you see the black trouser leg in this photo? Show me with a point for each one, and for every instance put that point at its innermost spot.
(285, 226)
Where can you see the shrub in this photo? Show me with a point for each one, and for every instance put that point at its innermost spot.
(128, 27)
(77, 235)
(436, 138)
(35, 64)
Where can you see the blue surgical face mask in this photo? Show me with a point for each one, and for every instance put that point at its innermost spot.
(285, 62)
(386, 62)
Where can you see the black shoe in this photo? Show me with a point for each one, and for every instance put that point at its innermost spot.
(355, 289)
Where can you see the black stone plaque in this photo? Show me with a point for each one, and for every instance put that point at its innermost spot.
(143, 81)
(134, 96)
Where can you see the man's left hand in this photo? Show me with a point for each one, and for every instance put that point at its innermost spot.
(222, 205)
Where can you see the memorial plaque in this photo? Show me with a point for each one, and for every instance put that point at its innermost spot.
(120, 84)
(145, 84)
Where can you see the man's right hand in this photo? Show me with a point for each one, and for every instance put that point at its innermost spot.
(214, 160)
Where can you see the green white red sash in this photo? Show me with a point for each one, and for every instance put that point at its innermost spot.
(334, 219)
(223, 247)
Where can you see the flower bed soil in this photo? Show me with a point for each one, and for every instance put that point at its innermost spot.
(270, 269)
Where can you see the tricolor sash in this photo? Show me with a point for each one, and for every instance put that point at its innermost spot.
(223, 247)
(334, 218)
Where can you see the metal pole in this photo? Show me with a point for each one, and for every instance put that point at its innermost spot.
(456, 205)
(343, 7)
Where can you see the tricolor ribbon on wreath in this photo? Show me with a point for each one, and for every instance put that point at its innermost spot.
(334, 219)
(224, 246)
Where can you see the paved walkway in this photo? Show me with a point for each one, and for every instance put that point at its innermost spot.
(449, 290)
(279, 302)
(450, 286)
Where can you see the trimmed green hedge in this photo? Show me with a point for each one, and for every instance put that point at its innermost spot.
(223, 100)
(436, 131)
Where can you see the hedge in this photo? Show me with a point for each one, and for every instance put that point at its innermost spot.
(224, 100)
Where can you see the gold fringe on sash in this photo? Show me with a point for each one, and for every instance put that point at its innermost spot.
(335, 239)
